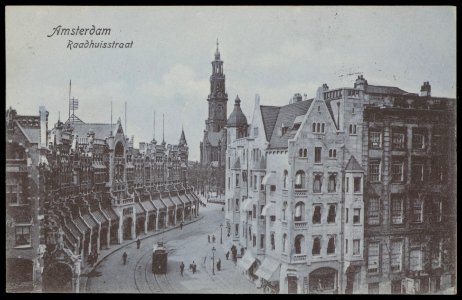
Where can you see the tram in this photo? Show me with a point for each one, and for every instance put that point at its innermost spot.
(159, 259)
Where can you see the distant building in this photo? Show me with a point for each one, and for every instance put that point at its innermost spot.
(322, 202)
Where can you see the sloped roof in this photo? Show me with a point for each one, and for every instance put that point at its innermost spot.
(331, 112)
(101, 130)
(269, 116)
(214, 137)
(286, 116)
(32, 134)
(353, 165)
(379, 89)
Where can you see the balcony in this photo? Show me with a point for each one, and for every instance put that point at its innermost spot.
(299, 258)
(300, 192)
(300, 225)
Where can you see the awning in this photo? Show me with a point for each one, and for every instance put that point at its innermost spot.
(89, 221)
(148, 205)
(158, 204)
(269, 270)
(269, 210)
(109, 212)
(168, 202)
(176, 200)
(80, 225)
(99, 216)
(248, 204)
(246, 261)
(269, 179)
(185, 199)
(138, 208)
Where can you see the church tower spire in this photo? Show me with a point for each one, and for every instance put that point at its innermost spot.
(217, 98)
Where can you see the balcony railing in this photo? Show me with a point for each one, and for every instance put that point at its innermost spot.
(300, 225)
(299, 258)
(300, 193)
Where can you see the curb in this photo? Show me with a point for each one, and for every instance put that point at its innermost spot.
(84, 285)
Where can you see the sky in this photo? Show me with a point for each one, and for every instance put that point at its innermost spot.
(271, 51)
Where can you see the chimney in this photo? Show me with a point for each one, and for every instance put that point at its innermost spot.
(43, 126)
(360, 82)
(425, 89)
(297, 98)
(325, 87)
(257, 100)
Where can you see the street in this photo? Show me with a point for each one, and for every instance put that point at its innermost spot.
(187, 245)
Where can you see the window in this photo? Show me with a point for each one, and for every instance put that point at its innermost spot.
(317, 183)
(415, 261)
(346, 246)
(332, 153)
(396, 255)
(331, 214)
(254, 210)
(272, 188)
(331, 188)
(286, 174)
(254, 241)
(373, 211)
(300, 180)
(418, 141)
(352, 129)
(319, 108)
(229, 160)
(299, 241)
(331, 245)
(347, 184)
(13, 193)
(439, 210)
(322, 127)
(317, 215)
(22, 236)
(356, 244)
(284, 209)
(229, 182)
(437, 144)
(237, 180)
(418, 210)
(353, 111)
(299, 211)
(373, 258)
(374, 171)
(314, 127)
(375, 140)
(417, 172)
(357, 184)
(436, 252)
(254, 182)
(397, 171)
(316, 246)
(284, 242)
(262, 241)
(261, 212)
(300, 153)
(438, 167)
(255, 131)
(272, 218)
(318, 127)
(398, 141)
(262, 187)
(346, 215)
(273, 243)
(237, 205)
(356, 216)
(396, 210)
(317, 154)
(305, 152)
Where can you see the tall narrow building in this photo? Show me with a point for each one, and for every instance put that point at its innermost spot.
(213, 146)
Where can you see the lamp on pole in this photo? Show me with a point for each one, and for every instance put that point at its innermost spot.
(213, 260)
(221, 233)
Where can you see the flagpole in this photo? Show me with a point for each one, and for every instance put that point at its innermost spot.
(69, 104)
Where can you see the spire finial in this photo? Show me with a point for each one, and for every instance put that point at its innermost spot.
(217, 43)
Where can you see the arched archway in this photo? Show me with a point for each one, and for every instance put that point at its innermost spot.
(323, 280)
(57, 278)
(127, 228)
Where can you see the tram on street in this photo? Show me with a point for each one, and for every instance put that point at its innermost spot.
(159, 259)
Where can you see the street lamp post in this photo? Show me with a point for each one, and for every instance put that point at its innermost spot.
(221, 233)
(213, 260)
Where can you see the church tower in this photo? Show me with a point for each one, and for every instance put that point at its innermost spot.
(217, 99)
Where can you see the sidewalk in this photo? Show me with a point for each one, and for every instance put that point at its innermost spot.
(87, 269)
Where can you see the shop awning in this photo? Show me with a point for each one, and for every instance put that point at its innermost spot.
(246, 261)
(148, 205)
(269, 270)
(99, 216)
(109, 212)
(159, 204)
(248, 204)
(185, 199)
(176, 200)
(168, 202)
(138, 208)
(269, 210)
(269, 179)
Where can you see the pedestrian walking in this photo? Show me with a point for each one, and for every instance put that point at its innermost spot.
(181, 268)
(138, 243)
(194, 267)
(124, 257)
(227, 255)
(208, 237)
(181, 225)
(218, 264)
(213, 238)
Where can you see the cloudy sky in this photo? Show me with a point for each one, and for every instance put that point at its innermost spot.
(272, 51)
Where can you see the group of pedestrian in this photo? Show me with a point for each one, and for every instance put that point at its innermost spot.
(233, 253)
(93, 258)
(192, 267)
(213, 238)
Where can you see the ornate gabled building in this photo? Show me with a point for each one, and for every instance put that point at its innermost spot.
(350, 192)
(89, 189)
(213, 145)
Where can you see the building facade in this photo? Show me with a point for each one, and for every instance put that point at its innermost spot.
(97, 190)
(307, 197)
(213, 145)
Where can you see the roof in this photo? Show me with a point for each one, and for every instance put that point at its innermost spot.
(379, 89)
(101, 130)
(138, 208)
(185, 199)
(148, 205)
(214, 137)
(168, 202)
(99, 216)
(329, 108)
(286, 116)
(269, 116)
(353, 165)
(237, 117)
(110, 213)
(176, 200)
(182, 138)
(89, 220)
(32, 134)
